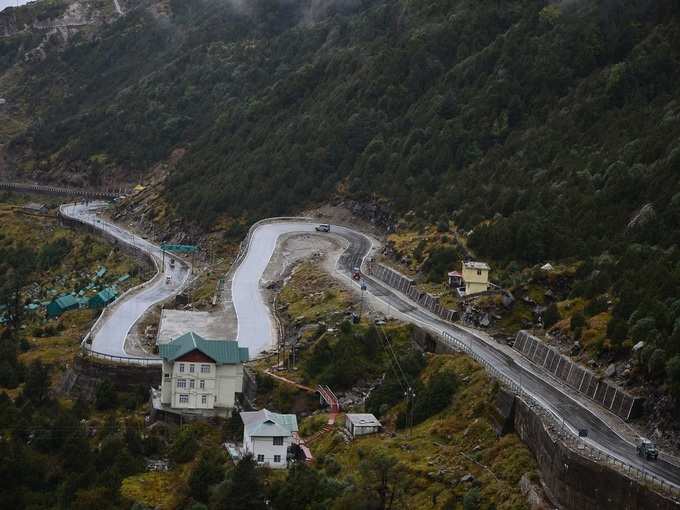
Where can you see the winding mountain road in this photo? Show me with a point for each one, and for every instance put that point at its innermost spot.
(111, 329)
(256, 329)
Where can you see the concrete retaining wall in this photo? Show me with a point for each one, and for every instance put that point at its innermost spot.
(573, 481)
(582, 380)
(82, 378)
(407, 286)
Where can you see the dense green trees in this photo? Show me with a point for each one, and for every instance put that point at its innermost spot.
(430, 399)
(51, 460)
(545, 116)
(357, 354)
(547, 130)
(243, 490)
(208, 471)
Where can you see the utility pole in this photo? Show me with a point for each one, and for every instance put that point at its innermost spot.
(410, 405)
(361, 305)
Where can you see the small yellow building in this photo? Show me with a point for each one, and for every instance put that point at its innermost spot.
(476, 277)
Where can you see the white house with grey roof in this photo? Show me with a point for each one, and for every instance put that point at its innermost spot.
(361, 424)
(267, 436)
(201, 376)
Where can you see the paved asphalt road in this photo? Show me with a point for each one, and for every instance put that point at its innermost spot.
(255, 327)
(256, 330)
(119, 318)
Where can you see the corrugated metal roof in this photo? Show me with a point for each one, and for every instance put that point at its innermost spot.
(363, 419)
(108, 294)
(265, 423)
(470, 264)
(222, 351)
(66, 301)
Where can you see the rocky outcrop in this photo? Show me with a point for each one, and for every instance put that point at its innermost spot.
(57, 23)
(372, 212)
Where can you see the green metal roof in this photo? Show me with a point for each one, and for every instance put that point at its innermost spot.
(103, 297)
(66, 301)
(222, 351)
(108, 294)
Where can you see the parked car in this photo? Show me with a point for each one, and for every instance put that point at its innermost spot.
(168, 278)
(647, 449)
(356, 273)
(324, 227)
(172, 263)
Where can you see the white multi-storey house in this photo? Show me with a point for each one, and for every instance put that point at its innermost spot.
(200, 374)
(267, 436)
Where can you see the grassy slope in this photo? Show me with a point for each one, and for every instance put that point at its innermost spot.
(56, 341)
(458, 441)
(311, 294)
(439, 451)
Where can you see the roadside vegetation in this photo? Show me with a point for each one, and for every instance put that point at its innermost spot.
(39, 261)
(438, 450)
(617, 312)
(543, 132)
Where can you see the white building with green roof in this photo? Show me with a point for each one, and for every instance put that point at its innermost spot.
(267, 436)
(201, 376)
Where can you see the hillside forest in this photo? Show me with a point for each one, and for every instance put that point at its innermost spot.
(543, 130)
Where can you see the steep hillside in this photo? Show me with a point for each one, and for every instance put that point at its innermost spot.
(536, 111)
(545, 130)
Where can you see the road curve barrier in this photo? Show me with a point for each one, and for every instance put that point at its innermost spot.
(57, 190)
(408, 287)
(605, 394)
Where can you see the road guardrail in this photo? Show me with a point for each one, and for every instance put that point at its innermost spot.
(569, 438)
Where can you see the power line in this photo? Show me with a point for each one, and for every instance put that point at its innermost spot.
(409, 394)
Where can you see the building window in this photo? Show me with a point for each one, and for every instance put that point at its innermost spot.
(201, 384)
(278, 441)
(191, 383)
(204, 399)
(479, 272)
(181, 383)
(205, 369)
(184, 399)
(191, 368)
(167, 376)
(277, 458)
(181, 367)
(260, 458)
